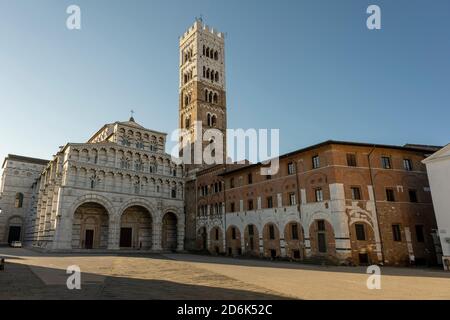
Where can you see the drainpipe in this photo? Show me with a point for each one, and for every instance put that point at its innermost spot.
(375, 202)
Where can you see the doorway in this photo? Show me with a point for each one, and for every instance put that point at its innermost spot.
(125, 237)
(14, 233)
(89, 239)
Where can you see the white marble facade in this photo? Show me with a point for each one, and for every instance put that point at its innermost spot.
(119, 190)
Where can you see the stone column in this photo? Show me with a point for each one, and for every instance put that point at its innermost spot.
(113, 232)
(156, 237)
(283, 247)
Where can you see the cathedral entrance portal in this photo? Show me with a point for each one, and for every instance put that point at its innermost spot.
(136, 228)
(90, 227)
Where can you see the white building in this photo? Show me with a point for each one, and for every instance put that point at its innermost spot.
(438, 167)
(17, 194)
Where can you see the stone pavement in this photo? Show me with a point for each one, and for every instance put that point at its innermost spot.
(33, 275)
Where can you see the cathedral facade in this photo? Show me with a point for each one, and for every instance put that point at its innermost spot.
(117, 190)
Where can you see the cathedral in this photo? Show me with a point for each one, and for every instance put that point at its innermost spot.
(334, 202)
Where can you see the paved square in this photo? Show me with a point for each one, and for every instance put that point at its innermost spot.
(33, 275)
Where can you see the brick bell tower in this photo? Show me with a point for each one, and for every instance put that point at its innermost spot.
(202, 85)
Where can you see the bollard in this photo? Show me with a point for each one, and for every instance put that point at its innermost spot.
(2, 264)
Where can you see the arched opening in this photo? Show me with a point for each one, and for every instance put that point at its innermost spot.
(15, 225)
(90, 227)
(363, 244)
(169, 232)
(322, 239)
(208, 120)
(251, 239)
(234, 241)
(136, 228)
(216, 240)
(294, 238)
(202, 239)
(271, 241)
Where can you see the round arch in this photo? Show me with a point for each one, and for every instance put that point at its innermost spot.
(271, 240)
(169, 232)
(251, 239)
(294, 237)
(233, 240)
(90, 226)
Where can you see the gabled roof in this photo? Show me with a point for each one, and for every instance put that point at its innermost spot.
(443, 153)
(15, 157)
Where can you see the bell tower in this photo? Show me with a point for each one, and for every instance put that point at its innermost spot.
(202, 83)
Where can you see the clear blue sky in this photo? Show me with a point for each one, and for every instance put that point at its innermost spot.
(310, 68)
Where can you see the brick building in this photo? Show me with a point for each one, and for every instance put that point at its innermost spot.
(345, 202)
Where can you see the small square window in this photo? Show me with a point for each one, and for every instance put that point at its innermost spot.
(412, 195)
(292, 200)
(269, 202)
(386, 162)
(315, 162)
(356, 193)
(390, 196)
(360, 232)
(351, 159)
(397, 235)
(319, 195)
(407, 164)
(291, 169)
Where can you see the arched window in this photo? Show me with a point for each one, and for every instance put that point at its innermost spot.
(215, 98)
(213, 121)
(212, 75)
(207, 73)
(208, 121)
(210, 96)
(207, 52)
(216, 77)
(204, 71)
(206, 95)
(204, 50)
(186, 100)
(216, 55)
(19, 200)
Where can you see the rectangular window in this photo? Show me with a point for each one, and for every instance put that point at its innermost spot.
(319, 195)
(396, 232)
(321, 225)
(232, 207)
(420, 234)
(269, 202)
(250, 178)
(407, 164)
(351, 159)
(250, 204)
(390, 196)
(232, 183)
(315, 162)
(291, 169)
(250, 230)
(356, 193)
(386, 162)
(360, 232)
(292, 200)
(271, 232)
(322, 243)
(412, 195)
(294, 232)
